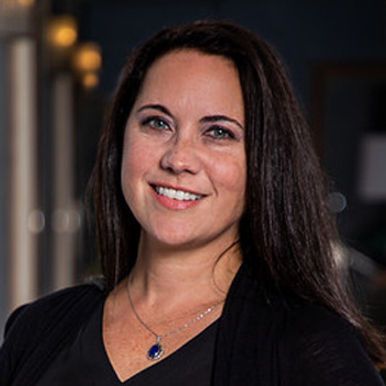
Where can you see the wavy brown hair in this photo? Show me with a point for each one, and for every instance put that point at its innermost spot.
(287, 231)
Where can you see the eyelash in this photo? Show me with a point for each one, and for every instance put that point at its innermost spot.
(229, 135)
(153, 121)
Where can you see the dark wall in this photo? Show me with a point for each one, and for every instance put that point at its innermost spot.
(308, 34)
(302, 31)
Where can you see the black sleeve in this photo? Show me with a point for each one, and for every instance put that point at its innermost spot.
(323, 349)
(11, 319)
(34, 333)
(10, 345)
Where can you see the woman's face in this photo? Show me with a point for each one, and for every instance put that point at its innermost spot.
(184, 165)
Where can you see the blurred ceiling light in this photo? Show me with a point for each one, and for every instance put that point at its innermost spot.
(15, 4)
(15, 17)
(25, 3)
(87, 58)
(87, 61)
(90, 80)
(62, 31)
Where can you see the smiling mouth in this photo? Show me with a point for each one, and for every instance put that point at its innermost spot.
(176, 194)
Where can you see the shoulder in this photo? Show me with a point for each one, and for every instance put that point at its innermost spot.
(302, 318)
(47, 307)
(300, 342)
(37, 330)
(315, 340)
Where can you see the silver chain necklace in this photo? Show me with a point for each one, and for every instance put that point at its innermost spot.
(156, 350)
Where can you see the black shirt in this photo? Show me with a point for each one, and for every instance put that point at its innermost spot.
(85, 362)
(264, 338)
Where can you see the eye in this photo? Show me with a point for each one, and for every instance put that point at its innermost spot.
(156, 123)
(219, 132)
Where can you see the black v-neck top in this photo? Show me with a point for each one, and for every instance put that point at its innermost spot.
(85, 361)
(263, 338)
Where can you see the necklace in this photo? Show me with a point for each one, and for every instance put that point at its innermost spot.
(156, 350)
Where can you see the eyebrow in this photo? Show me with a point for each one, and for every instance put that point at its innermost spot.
(216, 118)
(161, 108)
(209, 118)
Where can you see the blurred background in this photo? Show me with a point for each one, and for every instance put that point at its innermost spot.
(59, 63)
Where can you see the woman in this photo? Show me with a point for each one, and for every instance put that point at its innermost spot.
(214, 233)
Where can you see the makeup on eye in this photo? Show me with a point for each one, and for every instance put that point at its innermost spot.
(207, 118)
(218, 131)
(155, 122)
(215, 132)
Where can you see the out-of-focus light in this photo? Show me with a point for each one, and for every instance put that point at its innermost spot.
(36, 221)
(87, 58)
(87, 61)
(337, 202)
(66, 220)
(62, 31)
(90, 80)
(25, 3)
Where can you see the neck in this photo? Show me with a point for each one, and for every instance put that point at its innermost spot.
(166, 277)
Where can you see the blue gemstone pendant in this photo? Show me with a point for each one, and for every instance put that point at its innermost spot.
(155, 352)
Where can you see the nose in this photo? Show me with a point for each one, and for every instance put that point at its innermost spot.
(181, 157)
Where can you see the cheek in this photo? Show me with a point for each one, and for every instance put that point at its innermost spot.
(136, 160)
(230, 176)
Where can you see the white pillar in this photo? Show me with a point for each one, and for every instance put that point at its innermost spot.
(65, 216)
(23, 176)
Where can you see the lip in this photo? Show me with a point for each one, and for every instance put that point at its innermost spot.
(176, 187)
(172, 204)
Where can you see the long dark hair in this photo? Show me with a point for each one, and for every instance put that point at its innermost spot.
(287, 232)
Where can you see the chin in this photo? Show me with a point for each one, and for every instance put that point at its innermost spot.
(175, 240)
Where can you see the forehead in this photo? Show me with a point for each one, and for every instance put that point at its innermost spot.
(188, 62)
(193, 77)
(190, 57)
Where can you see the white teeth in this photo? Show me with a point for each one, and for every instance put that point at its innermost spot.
(177, 194)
